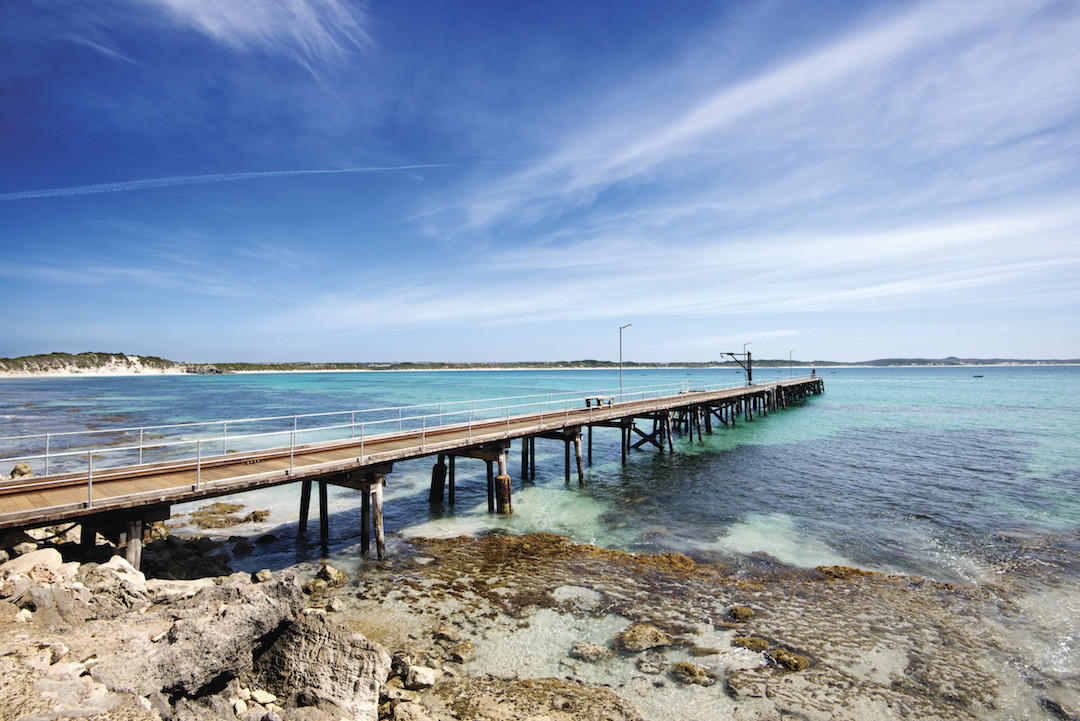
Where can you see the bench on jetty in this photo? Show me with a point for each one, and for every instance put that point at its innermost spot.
(125, 478)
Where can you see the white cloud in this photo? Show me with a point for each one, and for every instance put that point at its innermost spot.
(1024, 259)
(313, 32)
(881, 110)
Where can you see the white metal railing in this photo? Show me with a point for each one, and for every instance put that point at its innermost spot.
(179, 453)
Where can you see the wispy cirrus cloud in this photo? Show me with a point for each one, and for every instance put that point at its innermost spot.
(995, 259)
(888, 107)
(313, 32)
(176, 180)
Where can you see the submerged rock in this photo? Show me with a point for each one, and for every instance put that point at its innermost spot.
(546, 698)
(751, 642)
(689, 673)
(642, 636)
(741, 614)
(788, 660)
(651, 663)
(590, 652)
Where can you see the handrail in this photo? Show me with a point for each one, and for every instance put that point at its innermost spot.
(472, 416)
(192, 424)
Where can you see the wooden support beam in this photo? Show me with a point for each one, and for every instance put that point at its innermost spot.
(590, 445)
(652, 438)
(490, 487)
(667, 432)
(87, 535)
(365, 521)
(577, 455)
(532, 458)
(566, 454)
(133, 549)
(451, 489)
(324, 516)
(524, 458)
(438, 480)
(502, 495)
(708, 413)
(377, 517)
(622, 443)
(305, 504)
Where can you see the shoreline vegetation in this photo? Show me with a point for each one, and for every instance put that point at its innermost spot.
(119, 364)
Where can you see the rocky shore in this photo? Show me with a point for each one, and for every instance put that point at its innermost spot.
(527, 627)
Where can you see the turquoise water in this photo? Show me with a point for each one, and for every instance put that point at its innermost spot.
(923, 470)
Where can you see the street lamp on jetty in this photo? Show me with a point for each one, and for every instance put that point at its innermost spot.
(790, 368)
(621, 328)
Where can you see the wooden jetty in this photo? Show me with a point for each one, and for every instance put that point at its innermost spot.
(141, 483)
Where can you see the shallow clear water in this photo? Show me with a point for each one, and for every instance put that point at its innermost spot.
(923, 470)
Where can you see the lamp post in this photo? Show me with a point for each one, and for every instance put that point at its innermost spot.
(791, 370)
(621, 328)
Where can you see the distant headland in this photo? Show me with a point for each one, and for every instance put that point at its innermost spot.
(121, 364)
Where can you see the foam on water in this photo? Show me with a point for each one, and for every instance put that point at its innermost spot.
(778, 535)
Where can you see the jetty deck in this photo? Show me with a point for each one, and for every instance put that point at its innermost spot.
(100, 488)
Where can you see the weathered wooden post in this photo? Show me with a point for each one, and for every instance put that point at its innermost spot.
(532, 458)
(324, 519)
(438, 480)
(365, 520)
(566, 456)
(490, 487)
(133, 549)
(377, 516)
(577, 454)
(524, 457)
(305, 503)
(502, 488)
(451, 490)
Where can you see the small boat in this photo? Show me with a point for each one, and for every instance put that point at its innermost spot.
(976, 376)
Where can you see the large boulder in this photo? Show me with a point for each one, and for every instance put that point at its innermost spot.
(21, 470)
(45, 563)
(213, 639)
(115, 587)
(316, 655)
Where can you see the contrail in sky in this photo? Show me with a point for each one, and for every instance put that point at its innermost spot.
(148, 183)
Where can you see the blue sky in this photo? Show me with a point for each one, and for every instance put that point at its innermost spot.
(331, 180)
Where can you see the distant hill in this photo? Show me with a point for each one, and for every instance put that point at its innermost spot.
(122, 364)
(69, 364)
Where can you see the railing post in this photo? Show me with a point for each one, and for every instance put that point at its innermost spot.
(423, 431)
(361, 440)
(46, 454)
(292, 449)
(89, 479)
(198, 465)
(140, 445)
(352, 425)
(399, 422)
(224, 437)
(470, 424)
